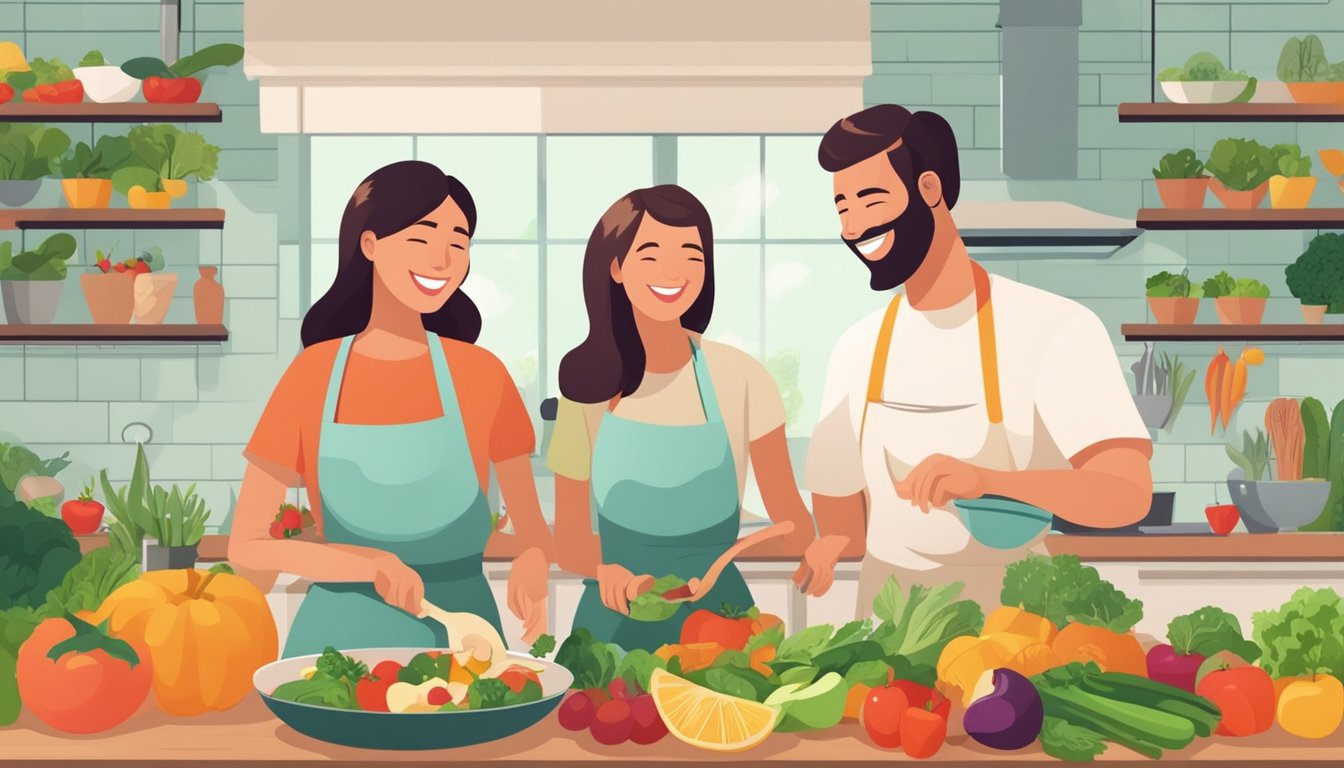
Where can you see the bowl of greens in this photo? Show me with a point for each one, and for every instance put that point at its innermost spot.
(410, 698)
(1204, 80)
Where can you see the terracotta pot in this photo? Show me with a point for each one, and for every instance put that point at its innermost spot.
(153, 295)
(175, 187)
(1295, 192)
(1183, 193)
(87, 193)
(110, 296)
(1238, 311)
(1237, 200)
(1317, 93)
(208, 297)
(1174, 311)
(1314, 314)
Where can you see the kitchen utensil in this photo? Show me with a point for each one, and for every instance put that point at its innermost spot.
(1176, 529)
(1159, 514)
(422, 730)
(469, 632)
(701, 586)
(1002, 523)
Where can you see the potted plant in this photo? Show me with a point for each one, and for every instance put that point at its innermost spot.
(177, 524)
(1173, 299)
(175, 84)
(1292, 186)
(46, 81)
(103, 82)
(1181, 181)
(109, 291)
(1239, 301)
(1310, 77)
(1241, 169)
(28, 152)
(87, 171)
(163, 159)
(31, 281)
(153, 289)
(1316, 278)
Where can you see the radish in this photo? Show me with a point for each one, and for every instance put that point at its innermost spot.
(1165, 665)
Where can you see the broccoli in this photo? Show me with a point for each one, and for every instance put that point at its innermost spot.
(1317, 277)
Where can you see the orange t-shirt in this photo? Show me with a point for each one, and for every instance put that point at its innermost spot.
(375, 391)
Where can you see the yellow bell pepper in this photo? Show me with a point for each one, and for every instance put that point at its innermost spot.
(1312, 708)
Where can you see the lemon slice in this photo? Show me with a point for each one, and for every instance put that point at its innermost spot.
(709, 720)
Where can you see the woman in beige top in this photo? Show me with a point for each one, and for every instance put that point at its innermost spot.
(657, 426)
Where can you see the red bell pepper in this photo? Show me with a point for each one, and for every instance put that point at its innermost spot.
(172, 90)
(6, 93)
(64, 92)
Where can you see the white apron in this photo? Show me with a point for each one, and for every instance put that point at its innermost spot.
(940, 548)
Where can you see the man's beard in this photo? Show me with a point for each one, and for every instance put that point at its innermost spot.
(911, 236)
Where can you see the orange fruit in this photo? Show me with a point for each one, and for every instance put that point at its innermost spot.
(708, 719)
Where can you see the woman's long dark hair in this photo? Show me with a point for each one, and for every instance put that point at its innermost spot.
(611, 360)
(391, 199)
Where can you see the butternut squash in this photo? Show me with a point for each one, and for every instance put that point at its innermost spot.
(965, 659)
(1112, 651)
(1009, 618)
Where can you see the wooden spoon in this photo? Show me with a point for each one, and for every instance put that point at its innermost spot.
(470, 633)
(701, 587)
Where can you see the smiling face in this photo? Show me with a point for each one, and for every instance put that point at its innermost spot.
(423, 264)
(886, 226)
(664, 272)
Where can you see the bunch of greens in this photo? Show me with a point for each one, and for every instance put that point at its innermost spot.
(97, 162)
(592, 662)
(1201, 67)
(40, 72)
(1303, 61)
(88, 584)
(1305, 636)
(1210, 630)
(1179, 165)
(17, 462)
(1223, 285)
(1253, 458)
(177, 517)
(16, 624)
(129, 507)
(916, 625)
(1290, 161)
(1168, 285)
(332, 685)
(93, 59)
(219, 55)
(36, 552)
(1179, 379)
(652, 606)
(1317, 276)
(1241, 164)
(1063, 590)
(29, 151)
(161, 152)
(491, 692)
(46, 262)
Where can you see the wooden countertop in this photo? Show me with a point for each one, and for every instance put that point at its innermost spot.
(1238, 547)
(249, 735)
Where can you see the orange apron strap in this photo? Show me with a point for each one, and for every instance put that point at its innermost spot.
(989, 356)
(877, 374)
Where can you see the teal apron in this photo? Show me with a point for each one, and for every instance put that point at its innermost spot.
(408, 489)
(667, 503)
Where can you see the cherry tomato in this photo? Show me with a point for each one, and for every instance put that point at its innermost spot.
(172, 90)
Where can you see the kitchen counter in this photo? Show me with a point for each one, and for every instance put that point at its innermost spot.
(248, 735)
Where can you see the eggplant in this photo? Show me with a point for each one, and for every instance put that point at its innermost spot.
(1006, 712)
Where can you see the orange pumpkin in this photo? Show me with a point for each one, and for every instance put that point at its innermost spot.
(1112, 651)
(206, 633)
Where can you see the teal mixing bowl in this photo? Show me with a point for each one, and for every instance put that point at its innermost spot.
(1002, 523)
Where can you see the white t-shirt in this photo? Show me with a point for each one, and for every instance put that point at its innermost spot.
(1060, 383)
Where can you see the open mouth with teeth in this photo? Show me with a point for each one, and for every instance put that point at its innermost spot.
(873, 245)
(668, 294)
(430, 286)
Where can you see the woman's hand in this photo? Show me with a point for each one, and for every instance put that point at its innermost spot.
(528, 591)
(398, 584)
(613, 581)
(816, 572)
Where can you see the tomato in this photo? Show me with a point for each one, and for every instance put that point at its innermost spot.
(703, 626)
(82, 515)
(371, 695)
(30, 95)
(886, 706)
(64, 92)
(517, 677)
(95, 682)
(386, 669)
(923, 731)
(1245, 695)
(6, 93)
(172, 90)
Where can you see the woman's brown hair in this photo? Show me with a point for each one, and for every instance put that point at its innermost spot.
(610, 361)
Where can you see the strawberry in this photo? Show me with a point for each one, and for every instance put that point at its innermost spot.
(277, 531)
(119, 267)
(104, 264)
(141, 267)
(290, 519)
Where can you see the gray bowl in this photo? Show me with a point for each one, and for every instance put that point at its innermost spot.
(1272, 506)
(1154, 409)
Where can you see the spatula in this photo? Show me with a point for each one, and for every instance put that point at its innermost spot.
(700, 587)
(469, 633)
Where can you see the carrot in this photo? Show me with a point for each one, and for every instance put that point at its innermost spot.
(1226, 405)
(1235, 390)
(1213, 386)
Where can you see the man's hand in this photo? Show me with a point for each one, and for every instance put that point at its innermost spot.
(816, 573)
(940, 479)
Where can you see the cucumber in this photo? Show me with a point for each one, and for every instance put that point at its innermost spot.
(1332, 517)
(1316, 448)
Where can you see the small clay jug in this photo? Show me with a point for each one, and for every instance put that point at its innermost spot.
(208, 296)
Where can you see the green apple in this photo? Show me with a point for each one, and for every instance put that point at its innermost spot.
(812, 707)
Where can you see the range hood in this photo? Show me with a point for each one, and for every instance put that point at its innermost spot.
(1021, 229)
(556, 66)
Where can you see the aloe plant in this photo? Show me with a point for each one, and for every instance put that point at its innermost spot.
(1253, 458)
(177, 517)
(129, 509)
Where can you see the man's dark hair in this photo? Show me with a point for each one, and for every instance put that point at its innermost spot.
(927, 144)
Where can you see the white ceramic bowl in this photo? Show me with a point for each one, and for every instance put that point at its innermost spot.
(1202, 92)
(107, 84)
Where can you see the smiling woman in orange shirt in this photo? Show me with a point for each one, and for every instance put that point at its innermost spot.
(391, 417)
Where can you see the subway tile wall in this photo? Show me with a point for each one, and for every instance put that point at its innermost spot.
(787, 288)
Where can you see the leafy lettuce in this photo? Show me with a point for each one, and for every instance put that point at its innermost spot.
(1203, 66)
(1305, 636)
(1063, 590)
(1210, 630)
(1242, 164)
(161, 152)
(88, 584)
(1303, 61)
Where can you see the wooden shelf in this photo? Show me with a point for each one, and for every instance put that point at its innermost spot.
(1212, 332)
(88, 333)
(128, 112)
(112, 218)
(1144, 112)
(1258, 218)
